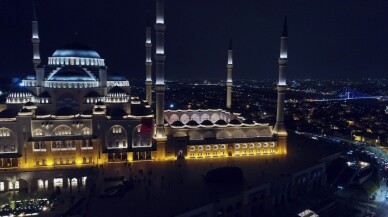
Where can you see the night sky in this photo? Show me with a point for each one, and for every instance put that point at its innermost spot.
(328, 39)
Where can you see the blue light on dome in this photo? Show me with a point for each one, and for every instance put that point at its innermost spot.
(71, 78)
(76, 53)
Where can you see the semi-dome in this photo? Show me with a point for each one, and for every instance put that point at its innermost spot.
(221, 122)
(76, 49)
(207, 123)
(71, 73)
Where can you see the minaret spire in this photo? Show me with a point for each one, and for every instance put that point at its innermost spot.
(148, 63)
(35, 37)
(279, 128)
(229, 81)
(160, 57)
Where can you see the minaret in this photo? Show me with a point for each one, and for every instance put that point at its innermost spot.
(35, 38)
(148, 64)
(159, 59)
(39, 71)
(229, 81)
(279, 128)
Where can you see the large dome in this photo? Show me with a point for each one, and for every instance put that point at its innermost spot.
(76, 49)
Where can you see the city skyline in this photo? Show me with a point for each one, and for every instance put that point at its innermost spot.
(326, 41)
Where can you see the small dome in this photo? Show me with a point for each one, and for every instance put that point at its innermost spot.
(99, 109)
(177, 124)
(29, 103)
(221, 122)
(20, 92)
(235, 122)
(92, 94)
(116, 89)
(117, 112)
(192, 123)
(8, 113)
(41, 112)
(66, 111)
(45, 94)
(207, 123)
(140, 110)
(24, 110)
(76, 49)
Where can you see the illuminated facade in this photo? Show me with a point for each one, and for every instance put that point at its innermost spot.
(72, 112)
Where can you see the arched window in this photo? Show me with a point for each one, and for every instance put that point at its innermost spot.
(38, 132)
(117, 137)
(62, 130)
(141, 139)
(86, 131)
(185, 118)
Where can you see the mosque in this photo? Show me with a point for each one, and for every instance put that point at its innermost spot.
(72, 112)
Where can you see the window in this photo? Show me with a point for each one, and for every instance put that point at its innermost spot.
(83, 180)
(70, 145)
(244, 146)
(251, 145)
(39, 146)
(117, 130)
(58, 182)
(237, 146)
(141, 139)
(62, 131)
(86, 131)
(2, 186)
(192, 148)
(5, 133)
(86, 144)
(11, 185)
(265, 145)
(72, 182)
(207, 147)
(38, 132)
(63, 145)
(215, 147)
(272, 144)
(259, 145)
(42, 184)
(200, 148)
(222, 146)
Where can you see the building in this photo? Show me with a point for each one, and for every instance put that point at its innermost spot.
(72, 112)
